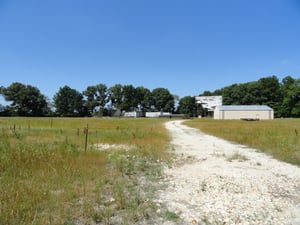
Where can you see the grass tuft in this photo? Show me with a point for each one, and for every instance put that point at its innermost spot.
(171, 216)
(237, 157)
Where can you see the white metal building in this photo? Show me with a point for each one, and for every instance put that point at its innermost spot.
(158, 114)
(134, 114)
(209, 102)
(247, 112)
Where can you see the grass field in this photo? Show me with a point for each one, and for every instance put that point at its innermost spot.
(279, 138)
(47, 177)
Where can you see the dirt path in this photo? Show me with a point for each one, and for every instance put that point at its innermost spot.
(218, 182)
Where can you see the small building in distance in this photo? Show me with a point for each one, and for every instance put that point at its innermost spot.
(134, 114)
(244, 112)
(158, 114)
(209, 102)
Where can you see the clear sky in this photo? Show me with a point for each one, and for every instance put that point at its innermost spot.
(186, 46)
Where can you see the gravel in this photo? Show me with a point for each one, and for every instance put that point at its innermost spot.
(218, 182)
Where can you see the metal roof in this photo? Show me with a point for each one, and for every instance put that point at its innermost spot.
(244, 108)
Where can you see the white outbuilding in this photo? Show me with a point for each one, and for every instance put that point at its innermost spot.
(209, 102)
(158, 114)
(245, 112)
(134, 114)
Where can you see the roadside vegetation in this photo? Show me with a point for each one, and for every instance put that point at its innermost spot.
(47, 177)
(279, 138)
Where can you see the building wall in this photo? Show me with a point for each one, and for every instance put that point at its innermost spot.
(209, 102)
(133, 114)
(158, 114)
(237, 114)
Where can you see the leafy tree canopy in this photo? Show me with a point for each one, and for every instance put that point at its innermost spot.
(163, 100)
(96, 98)
(69, 102)
(188, 106)
(26, 100)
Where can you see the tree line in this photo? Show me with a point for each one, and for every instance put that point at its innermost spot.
(283, 97)
(96, 100)
(100, 100)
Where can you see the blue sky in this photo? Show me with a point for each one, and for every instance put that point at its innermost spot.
(186, 46)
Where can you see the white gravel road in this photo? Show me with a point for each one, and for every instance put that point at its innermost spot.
(218, 182)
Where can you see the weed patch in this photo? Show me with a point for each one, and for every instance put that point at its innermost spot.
(237, 157)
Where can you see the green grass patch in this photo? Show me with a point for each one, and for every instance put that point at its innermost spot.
(171, 216)
(279, 138)
(47, 177)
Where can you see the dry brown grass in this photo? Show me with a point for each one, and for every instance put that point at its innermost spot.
(279, 138)
(46, 177)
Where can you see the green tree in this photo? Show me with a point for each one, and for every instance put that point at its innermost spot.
(96, 98)
(265, 91)
(232, 95)
(296, 109)
(207, 93)
(163, 100)
(270, 93)
(115, 96)
(69, 102)
(188, 106)
(143, 98)
(26, 100)
(129, 101)
(241, 94)
(290, 89)
(252, 93)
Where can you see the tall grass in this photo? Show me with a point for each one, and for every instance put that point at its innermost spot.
(46, 177)
(279, 138)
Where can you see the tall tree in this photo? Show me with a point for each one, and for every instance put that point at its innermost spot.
(296, 109)
(265, 91)
(232, 95)
(115, 96)
(252, 93)
(270, 93)
(26, 100)
(163, 100)
(129, 100)
(290, 89)
(143, 98)
(188, 106)
(96, 98)
(69, 102)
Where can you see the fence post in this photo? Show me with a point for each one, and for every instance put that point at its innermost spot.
(86, 131)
